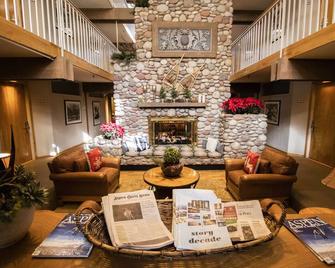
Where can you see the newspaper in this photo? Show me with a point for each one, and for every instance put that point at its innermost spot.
(194, 223)
(244, 220)
(133, 220)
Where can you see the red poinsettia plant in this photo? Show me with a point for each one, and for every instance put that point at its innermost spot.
(242, 106)
(112, 130)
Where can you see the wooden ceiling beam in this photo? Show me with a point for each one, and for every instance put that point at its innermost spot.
(110, 15)
(303, 70)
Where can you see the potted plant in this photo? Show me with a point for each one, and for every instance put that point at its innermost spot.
(19, 194)
(162, 94)
(171, 166)
(112, 131)
(174, 93)
(187, 94)
(242, 106)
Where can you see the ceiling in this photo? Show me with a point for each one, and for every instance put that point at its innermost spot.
(251, 4)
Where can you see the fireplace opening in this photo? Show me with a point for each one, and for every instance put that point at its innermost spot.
(172, 130)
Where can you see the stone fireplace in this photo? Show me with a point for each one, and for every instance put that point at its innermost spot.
(131, 81)
(172, 130)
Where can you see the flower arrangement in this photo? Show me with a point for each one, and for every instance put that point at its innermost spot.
(112, 131)
(242, 106)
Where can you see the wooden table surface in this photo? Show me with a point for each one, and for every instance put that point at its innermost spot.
(284, 251)
(155, 177)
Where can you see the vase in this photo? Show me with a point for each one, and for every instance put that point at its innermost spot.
(14, 231)
(172, 171)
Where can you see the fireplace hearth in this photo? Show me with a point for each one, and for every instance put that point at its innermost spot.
(172, 130)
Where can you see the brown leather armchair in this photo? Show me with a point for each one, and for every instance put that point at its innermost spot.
(277, 173)
(74, 182)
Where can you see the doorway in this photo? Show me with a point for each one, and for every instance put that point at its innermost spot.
(13, 112)
(323, 131)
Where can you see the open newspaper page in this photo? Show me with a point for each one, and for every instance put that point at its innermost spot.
(194, 221)
(135, 221)
(244, 220)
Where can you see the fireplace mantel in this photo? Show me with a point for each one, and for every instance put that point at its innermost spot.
(153, 105)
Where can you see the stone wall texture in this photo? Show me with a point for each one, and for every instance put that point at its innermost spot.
(243, 132)
(132, 79)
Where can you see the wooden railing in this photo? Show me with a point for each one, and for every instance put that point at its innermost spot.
(282, 24)
(61, 23)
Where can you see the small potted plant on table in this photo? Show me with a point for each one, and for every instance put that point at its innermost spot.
(171, 166)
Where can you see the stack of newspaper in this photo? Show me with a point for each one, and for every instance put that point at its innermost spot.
(133, 220)
(201, 221)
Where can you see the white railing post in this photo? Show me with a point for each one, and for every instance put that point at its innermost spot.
(283, 29)
(7, 10)
(325, 16)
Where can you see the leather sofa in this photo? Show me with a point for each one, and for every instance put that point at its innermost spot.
(276, 175)
(74, 182)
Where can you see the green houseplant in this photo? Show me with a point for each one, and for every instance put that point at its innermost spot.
(171, 166)
(19, 193)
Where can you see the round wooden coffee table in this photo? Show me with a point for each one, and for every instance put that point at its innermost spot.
(163, 186)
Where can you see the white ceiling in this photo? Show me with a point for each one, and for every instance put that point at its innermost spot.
(251, 4)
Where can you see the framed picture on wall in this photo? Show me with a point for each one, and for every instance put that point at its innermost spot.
(72, 112)
(96, 112)
(272, 110)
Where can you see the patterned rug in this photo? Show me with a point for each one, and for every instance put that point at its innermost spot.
(209, 179)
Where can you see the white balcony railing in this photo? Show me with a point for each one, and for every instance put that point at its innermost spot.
(284, 23)
(61, 23)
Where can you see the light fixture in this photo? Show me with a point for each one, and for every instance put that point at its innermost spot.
(326, 82)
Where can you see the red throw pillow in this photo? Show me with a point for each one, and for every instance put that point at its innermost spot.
(251, 162)
(94, 158)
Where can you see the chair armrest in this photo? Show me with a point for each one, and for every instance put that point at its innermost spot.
(79, 176)
(113, 162)
(267, 178)
(233, 164)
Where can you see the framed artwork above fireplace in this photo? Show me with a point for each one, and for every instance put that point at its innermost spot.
(172, 130)
(188, 39)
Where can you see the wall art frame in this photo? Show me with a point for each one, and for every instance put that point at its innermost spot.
(191, 39)
(272, 110)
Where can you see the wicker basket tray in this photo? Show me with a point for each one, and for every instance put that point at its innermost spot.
(96, 232)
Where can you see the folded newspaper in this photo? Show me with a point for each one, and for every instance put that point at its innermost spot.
(201, 221)
(133, 220)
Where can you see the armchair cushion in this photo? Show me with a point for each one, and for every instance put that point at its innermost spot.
(81, 164)
(281, 163)
(94, 158)
(251, 162)
(264, 166)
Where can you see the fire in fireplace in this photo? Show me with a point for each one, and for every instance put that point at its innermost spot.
(172, 130)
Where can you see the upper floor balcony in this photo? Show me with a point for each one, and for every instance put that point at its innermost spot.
(282, 26)
(62, 24)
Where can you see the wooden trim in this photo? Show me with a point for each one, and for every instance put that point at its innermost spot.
(265, 63)
(212, 26)
(316, 40)
(18, 35)
(84, 65)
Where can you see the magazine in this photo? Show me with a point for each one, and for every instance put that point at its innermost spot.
(66, 240)
(133, 220)
(194, 223)
(244, 220)
(316, 234)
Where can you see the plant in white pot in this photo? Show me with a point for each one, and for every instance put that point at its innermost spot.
(19, 194)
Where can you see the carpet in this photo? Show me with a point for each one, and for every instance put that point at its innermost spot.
(209, 179)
